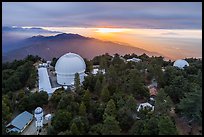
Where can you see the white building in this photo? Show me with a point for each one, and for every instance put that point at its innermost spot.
(67, 66)
(180, 63)
(39, 117)
(145, 105)
(134, 60)
(48, 117)
(43, 65)
(48, 62)
(44, 81)
(97, 70)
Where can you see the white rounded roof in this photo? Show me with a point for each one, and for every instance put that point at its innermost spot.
(180, 63)
(38, 110)
(70, 63)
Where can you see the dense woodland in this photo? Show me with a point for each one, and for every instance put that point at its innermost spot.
(105, 104)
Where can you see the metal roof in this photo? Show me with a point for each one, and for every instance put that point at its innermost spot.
(21, 120)
(44, 81)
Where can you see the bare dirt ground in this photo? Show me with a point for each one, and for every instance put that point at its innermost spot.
(183, 127)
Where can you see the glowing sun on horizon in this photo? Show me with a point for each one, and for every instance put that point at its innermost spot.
(109, 30)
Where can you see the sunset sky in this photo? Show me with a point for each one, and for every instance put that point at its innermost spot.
(172, 29)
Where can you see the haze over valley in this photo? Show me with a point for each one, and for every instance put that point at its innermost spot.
(59, 44)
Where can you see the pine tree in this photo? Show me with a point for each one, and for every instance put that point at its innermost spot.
(103, 63)
(110, 126)
(110, 109)
(77, 82)
(151, 126)
(166, 126)
(97, 87)
(191, 104)
(105, 95)
(61, 120)
(137, 128)
(163, 102)
(86, 99)
(74, 129)
(82, 109)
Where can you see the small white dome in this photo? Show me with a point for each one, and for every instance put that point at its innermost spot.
(180, 63)
(70, 63)
(38, 110)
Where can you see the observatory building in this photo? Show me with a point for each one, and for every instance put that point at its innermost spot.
(39, 117)
(180, 63)
(67, 66)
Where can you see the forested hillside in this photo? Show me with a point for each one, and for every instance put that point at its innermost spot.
(106, 104)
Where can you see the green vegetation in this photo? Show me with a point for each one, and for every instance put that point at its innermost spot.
(106, 104)
(18, 79)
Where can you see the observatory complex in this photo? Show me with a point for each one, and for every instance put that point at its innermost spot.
(65, 69)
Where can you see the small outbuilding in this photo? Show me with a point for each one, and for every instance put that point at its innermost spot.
(97, 70)
(19, 123)
(134, 60)
(48, 117)
(145, 105)
(152, 91)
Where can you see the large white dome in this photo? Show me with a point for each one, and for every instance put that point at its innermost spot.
(180, 63)
(66, 67)
(70, 63)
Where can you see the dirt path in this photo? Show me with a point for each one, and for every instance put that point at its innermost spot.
(30, 129)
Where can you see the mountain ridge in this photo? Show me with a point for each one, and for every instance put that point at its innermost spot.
(57, 45)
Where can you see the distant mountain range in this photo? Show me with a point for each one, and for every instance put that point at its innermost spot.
(48, 47)
(32, 29)
(13, 35)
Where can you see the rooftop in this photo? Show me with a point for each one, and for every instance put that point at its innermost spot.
(21, 121)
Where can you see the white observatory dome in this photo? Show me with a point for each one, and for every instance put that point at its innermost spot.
(38, 110)
(66, 67)
(39, 117)
(180, 63)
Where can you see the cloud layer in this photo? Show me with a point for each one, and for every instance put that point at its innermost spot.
(157, 15)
